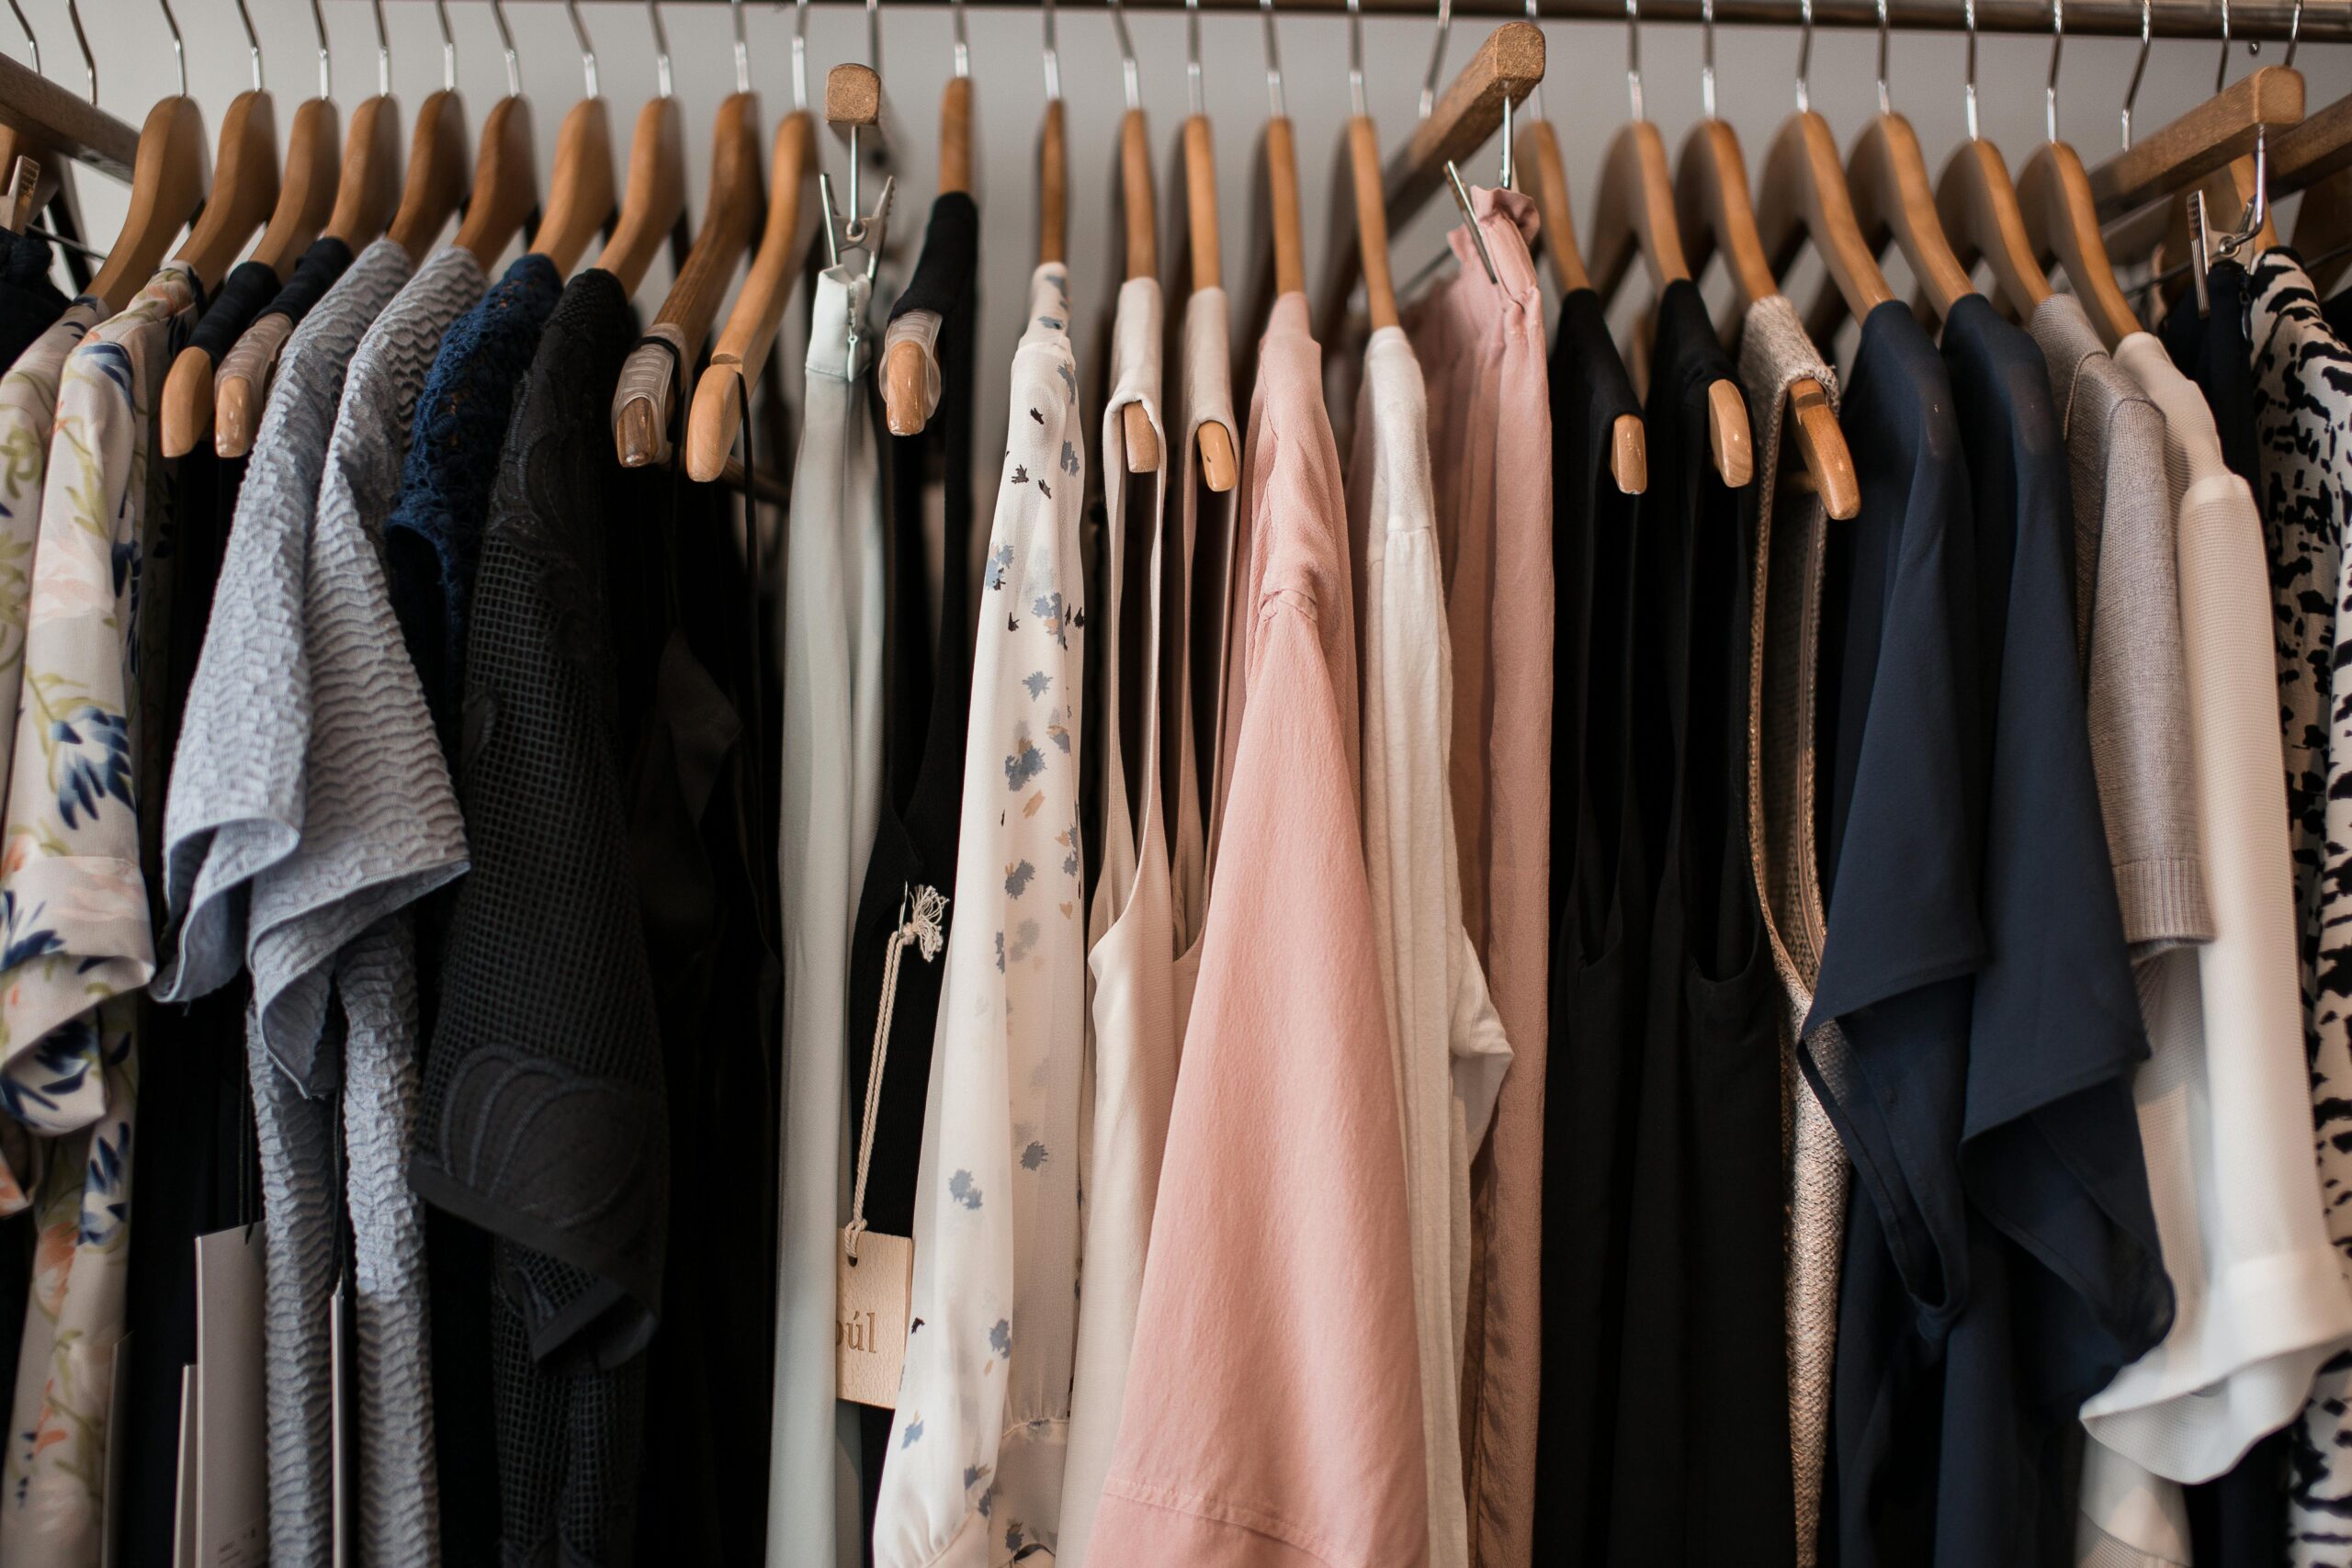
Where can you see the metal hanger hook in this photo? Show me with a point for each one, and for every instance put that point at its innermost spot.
(326, 57)
(448, 47)
(1051, 51)
(1126, 55)
(742, 49)
(2294, 33)
(874, 34)
(800, 54)
(1804, 56)
(2222, 70)
(1885, 102)
(963, 39)
(1437, 56)
(1275, 102)
(2139, 69)
(1634, 57)
(1355, 57)
(253, 43)
(89, 61)
(1706, 56)
(506, 42)
(179, 45)
(662, 47)
(1535, 94)
(587, 47)
(1193, 55)
(32, 44)
(2050, 87)
(1969, 99)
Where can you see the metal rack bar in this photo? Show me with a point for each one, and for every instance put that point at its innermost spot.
(2324, 21)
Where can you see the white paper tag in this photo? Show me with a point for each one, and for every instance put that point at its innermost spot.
(872, 1295)
(231, 1392)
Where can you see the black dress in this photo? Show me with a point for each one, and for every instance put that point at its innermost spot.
(926, 707)
(1599, 898)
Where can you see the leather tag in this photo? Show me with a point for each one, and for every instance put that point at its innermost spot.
(872, 1295)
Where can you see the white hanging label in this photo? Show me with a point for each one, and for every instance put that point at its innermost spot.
(872, 1294)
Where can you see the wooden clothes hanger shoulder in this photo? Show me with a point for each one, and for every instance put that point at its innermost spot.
(1980, 208)
(654, 198)
(906, 368)
(440, 171)
(2062, 222)
(750, 333)
(367, 192)
(166, 182)
(1712, 202)
(245, 188)
(1219, 468)
(581, 194)
(1142, 261)
(641, 427)
(506, 176)
(1893, 198)
(1805, 198)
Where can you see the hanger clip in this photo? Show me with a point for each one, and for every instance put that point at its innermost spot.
(848, 234)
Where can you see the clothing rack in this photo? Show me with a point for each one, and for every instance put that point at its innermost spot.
(2324, 21)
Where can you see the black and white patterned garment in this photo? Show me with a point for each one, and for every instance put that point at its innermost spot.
(2302, 377)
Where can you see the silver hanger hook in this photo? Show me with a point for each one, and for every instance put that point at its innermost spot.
(1706, 56)
(874, 34)
(742, 47)
(326, 58)
(2050, 87)
(2139, 69)
(253, 43)
(1804, 56)
(383, 51)
(448, 47)
(1536, 93)
(32, 44)
(1126, 55)
(662, 75)
(1437, 56)
(1969, 99)
(506, 42)
(1885, 102)
(1634, 56)
(1355, 57)
(89, 61)
(179, 45)
(963, 39)
(1275, 102)
(800, 54)
(2294, 33)
(2221, 71)
(1192, 54)
(587, 48)
(1051, 48)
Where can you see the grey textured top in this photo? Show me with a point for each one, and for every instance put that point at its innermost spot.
(235, 802)
(380, 826)
(2127, 629)
(1784, 694)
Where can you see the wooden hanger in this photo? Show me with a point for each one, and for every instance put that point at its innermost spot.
(1634, 210)
(1141, 257)
(440, 171)
(245, 188)
(750, 333)
(1714, 213)
(654, 199)
(640, 430)
(2315, 157)
(906, 368)
(506, 173)
(1053, 155)
(2215, 133)
(1806, 198)
(580, 192)
(167, 184)
(1462, 119)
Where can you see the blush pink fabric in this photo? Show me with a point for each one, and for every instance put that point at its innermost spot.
(1272, 1417)
(1481, 346)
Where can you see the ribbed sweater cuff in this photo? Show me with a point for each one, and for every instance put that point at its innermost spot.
(2164, 903)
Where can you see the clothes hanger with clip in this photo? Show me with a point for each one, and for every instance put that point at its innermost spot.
(1975, 201)
(2062, 216)
(580, 189)
(2315, 158)
(1218, 468)
(166, 184)
(853, 104)
(365, 196)
(2239, 187)
(654, 198)
(305, 197)
(1142, 236)
(1714, 213)
(909, 363)
(1893, 197)
(47, 131)
(244, 176)
(506, 176)
(1805, 198)
(653, 372)
(1633, 212)
(722, 394)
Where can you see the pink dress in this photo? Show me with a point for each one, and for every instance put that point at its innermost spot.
(1481, 344)
(1273, 1420)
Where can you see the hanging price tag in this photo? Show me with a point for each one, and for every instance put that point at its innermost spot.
(871, 1294)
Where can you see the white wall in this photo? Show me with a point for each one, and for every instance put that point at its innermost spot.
(1586, 98)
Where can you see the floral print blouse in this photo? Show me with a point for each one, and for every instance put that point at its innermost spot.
(975, 1470)
(77, 937)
